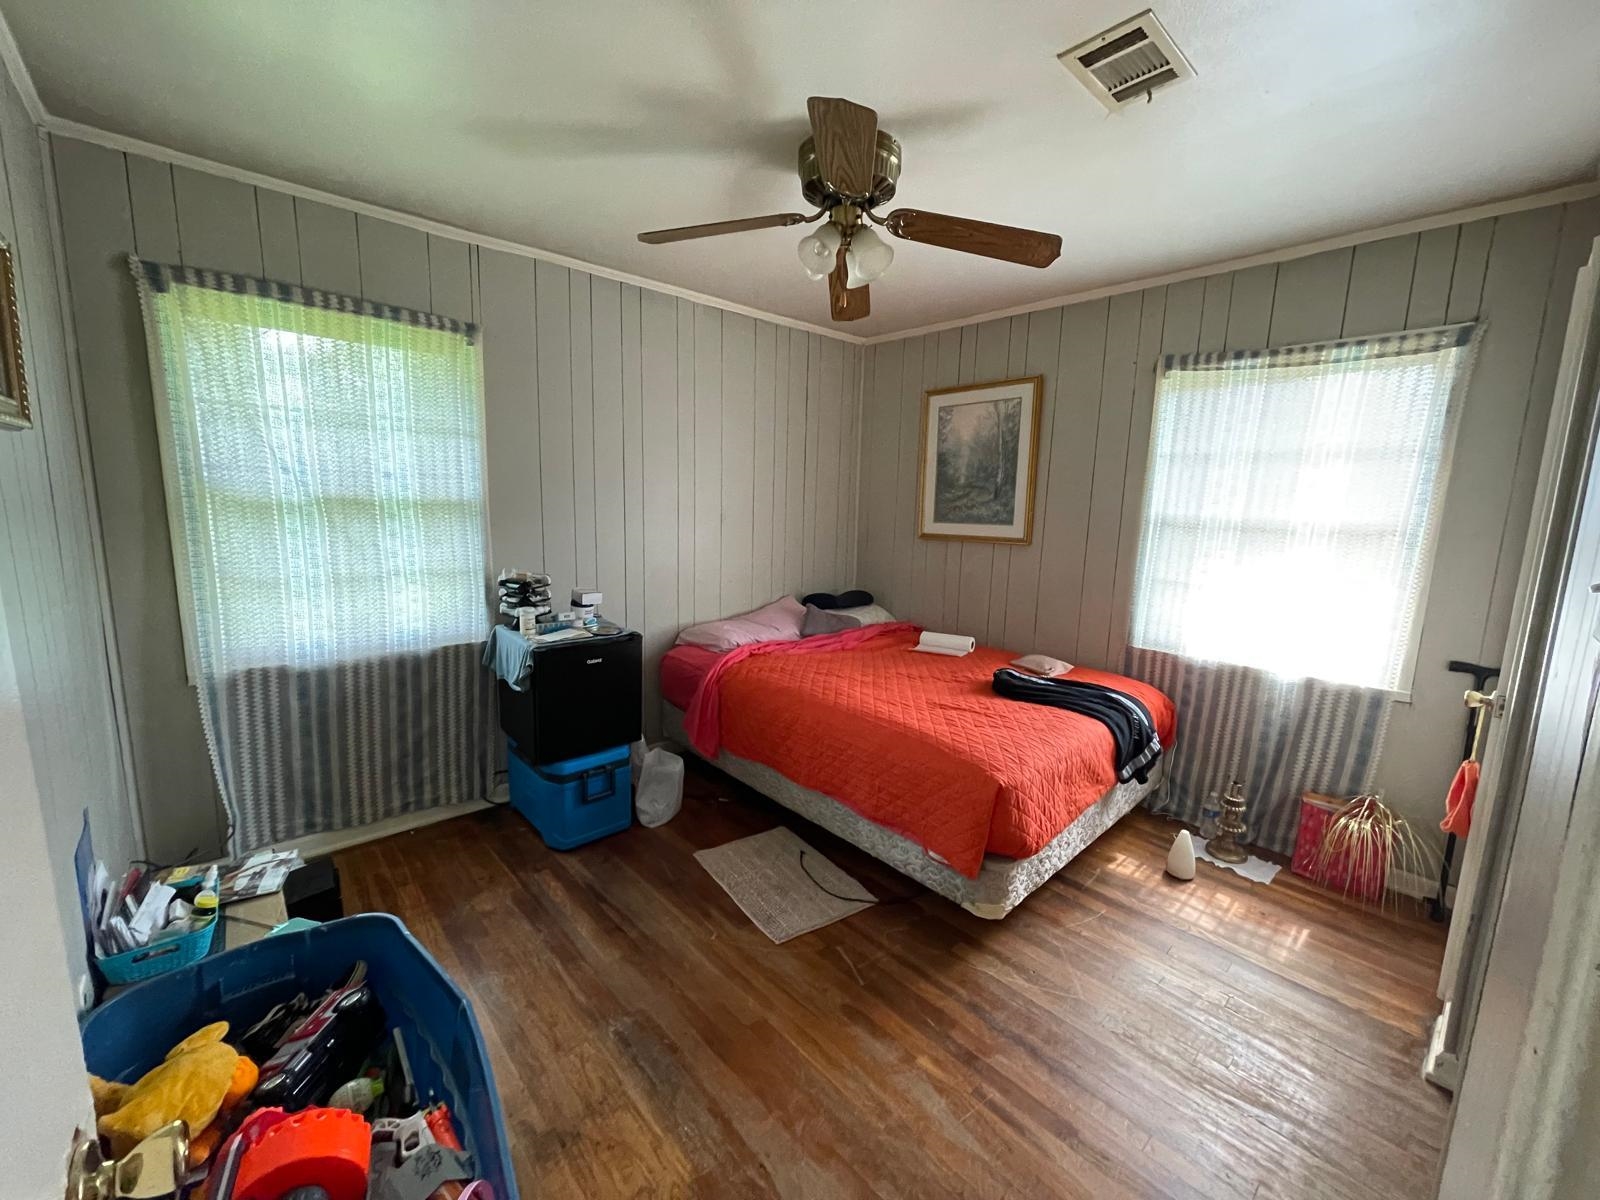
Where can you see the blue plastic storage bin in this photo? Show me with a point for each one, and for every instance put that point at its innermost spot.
(575, 801)
(128, 1035)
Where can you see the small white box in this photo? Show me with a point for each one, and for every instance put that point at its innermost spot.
(585, 597)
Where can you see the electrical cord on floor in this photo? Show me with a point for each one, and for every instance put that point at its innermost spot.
(852, 899)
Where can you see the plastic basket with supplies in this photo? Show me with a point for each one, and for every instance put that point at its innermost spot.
(146, 962)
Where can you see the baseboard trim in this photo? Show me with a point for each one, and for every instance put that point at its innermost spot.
(316, 845)
(1419, 887)
(1441, 1068)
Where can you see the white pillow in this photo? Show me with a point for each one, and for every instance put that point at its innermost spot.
(1041, 664)
(866, 614)
(775, 622)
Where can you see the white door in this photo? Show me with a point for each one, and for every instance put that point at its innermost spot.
(1507, 911)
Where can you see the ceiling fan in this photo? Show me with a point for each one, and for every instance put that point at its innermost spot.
(848, 166)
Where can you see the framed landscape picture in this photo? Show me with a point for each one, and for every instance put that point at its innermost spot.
(15, 412)
(980, 444)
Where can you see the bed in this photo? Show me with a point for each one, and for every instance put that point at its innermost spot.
(912, 757)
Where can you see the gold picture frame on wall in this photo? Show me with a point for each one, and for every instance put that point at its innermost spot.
(15, 412)
(980, 448)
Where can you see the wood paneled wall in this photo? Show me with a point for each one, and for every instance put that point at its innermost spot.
(689, 462)
(50, 576)
(1069, 593)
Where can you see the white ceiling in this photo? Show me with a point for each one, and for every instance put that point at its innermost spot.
(571, 126)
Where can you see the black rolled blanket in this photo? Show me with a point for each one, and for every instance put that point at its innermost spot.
(1137, 746)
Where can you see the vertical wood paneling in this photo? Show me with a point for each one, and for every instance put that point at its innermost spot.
(1309, 298)
(991, 350)
(217, 222)
(1022, 583)
(738, 458)
(761, 586)
(799, 428)
(280, 244)
(611, 571)
(957, 347)
(633, 452)
(881, 431)
(918, 374)
(687, 432)
(553, 354)
(511, 461)
(394, 262)
(155, 210)
(171, 765)
(1000, 570)
(901, 400)
(825, 499)
(450, 278)
(659, 363)
(582, 357)
(844, 546)
(707, 464)
(330, 257)
(1430, 281)
(1110, 472)
(1153, 319)
(1070, 593)
(633, 443)
(1380, 286)
(780, 461)
(1250, 307)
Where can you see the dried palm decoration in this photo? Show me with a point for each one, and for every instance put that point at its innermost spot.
(1365, 844)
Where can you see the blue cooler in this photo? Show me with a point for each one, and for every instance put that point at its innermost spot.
(574, 801)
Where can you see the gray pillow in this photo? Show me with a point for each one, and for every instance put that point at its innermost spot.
(818, 620)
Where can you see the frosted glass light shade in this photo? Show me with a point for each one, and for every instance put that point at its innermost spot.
(818, 251)
(869, 256)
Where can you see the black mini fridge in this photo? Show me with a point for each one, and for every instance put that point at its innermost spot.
(584, 696)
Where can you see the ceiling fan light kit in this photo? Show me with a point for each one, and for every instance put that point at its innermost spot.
(848, 166)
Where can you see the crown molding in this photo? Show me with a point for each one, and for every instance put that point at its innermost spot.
(11, 57)
(21, 77)
(58, 127)
(1456, 216)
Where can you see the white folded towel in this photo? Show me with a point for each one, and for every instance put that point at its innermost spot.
(952, 644)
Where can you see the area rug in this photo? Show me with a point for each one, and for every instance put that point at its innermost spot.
(764, 876)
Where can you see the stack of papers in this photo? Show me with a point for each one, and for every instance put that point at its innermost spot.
(261, 874)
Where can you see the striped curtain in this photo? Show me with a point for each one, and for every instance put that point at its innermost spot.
(1290, 509)
(1280, 737)
(323, 459)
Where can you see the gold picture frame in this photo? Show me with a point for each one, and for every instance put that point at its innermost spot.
(976, 441)
(15, 412)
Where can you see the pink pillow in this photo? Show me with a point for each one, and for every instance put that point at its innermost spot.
(776, 622)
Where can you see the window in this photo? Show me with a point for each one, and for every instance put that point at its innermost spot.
(324, 473)
(1292, 501)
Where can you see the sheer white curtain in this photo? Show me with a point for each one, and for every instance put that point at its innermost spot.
(1290, 511)
(324, 468)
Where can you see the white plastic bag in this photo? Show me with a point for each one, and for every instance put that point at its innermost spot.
(660, 793)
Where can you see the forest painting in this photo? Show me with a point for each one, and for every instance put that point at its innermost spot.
(975, 480)
(977, 461)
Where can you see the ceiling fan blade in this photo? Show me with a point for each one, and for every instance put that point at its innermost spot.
(846, 137)
(1026, 246)
(846, 303)
(683, 233)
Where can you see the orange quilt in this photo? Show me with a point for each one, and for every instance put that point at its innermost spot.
(920, 743)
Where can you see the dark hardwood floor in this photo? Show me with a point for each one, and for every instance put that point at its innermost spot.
(1119, 1035)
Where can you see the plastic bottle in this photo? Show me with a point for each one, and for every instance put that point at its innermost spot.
(357, 1095)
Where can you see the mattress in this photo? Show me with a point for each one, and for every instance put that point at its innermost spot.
(918, 744)
(1001, 883)
(682, 669)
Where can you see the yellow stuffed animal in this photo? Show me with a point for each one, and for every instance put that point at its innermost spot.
(200, 1077)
